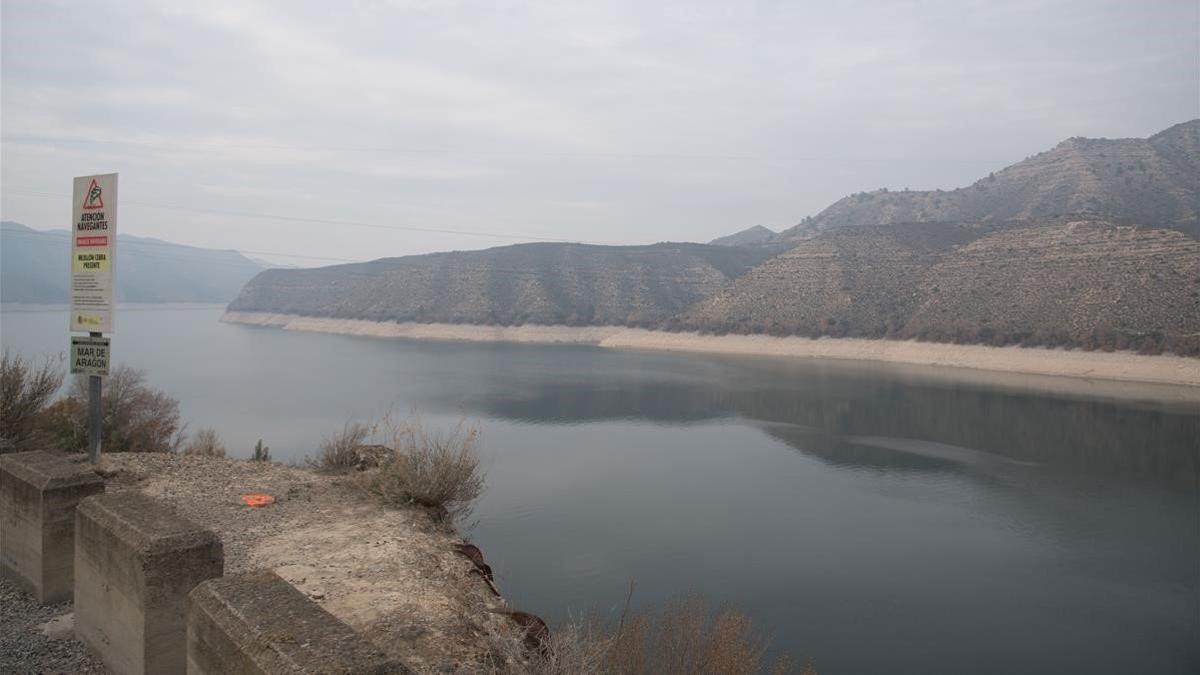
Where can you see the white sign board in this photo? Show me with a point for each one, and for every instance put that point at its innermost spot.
(89, 356)
(93, 246)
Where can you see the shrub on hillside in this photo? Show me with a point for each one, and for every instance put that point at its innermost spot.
(25, 390)
(434, 469)
(686, 637)
(341, 452)
(137, 417)
(205, 444)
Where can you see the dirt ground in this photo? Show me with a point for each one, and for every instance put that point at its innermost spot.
(391, 573)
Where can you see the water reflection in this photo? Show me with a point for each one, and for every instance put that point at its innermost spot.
(828, 411)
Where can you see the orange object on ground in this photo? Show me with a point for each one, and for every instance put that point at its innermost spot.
(255, 501)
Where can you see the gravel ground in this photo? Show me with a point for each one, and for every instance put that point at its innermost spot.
(23, 646)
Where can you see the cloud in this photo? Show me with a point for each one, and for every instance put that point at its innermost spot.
(621, 121)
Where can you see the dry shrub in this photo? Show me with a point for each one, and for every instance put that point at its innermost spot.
(205, 444)
(686, 637)
(580, 647)
(434, 469)
(136, 417)
(25, 390)
(341, 452)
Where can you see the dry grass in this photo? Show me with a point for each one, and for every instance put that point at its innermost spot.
(435, 469)
(340, 452)
(686, 637)
(205, 443)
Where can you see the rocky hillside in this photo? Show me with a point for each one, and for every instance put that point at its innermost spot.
(1094, 243)
(1086, 283)
(546, 283)
(1152, 182)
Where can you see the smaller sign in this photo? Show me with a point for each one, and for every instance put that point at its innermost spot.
(89, 356)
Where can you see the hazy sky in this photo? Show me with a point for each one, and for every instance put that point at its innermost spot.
(606, 122)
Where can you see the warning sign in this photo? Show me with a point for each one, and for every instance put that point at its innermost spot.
(93, 245)
(94, 198)
(89, 356)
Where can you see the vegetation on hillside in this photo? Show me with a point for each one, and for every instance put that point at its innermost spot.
(685, 636)
(205, 443)
(1083, 285)
(26, 388)
(412, 465)
(136, 416)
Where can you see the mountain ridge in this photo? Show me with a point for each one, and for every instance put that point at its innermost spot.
(1152, 181)
(1090, 244)
(35, 269)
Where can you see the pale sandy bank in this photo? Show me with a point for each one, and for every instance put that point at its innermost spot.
(1120, 366)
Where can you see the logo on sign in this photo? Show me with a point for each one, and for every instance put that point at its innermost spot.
(93, 199)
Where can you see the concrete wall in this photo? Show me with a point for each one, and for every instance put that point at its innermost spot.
(259, 623)
(135, 562)
(38, 496)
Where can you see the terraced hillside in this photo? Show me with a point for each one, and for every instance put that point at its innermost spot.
(1086, 283)
(1151, 181)
(572, 284)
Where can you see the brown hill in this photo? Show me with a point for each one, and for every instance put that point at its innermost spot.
(1146, 181)
(573, 284)
(1084, 283)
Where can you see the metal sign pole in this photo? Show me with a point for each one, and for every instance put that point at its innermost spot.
(95, 415)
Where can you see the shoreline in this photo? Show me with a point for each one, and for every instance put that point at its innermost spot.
(1080, 365)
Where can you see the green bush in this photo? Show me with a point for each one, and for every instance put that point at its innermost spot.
(261, 452)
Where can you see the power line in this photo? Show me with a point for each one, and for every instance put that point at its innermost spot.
(442, 152)
(320, 221)
(383, 263)
(66, 239)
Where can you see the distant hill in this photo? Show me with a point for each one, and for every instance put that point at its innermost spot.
(1152, 182)
(1093, 243)
(751, 236)
(543, 283)
(1085, 283)
(35, 268)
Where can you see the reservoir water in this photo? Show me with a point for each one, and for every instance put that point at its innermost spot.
(871, 520)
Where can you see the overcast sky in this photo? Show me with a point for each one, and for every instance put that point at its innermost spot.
(604, 122)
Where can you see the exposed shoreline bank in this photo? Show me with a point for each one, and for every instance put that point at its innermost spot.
(1115, 366)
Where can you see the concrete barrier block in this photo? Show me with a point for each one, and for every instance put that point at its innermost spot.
(259, 623)
(136, 560)
(38, 495)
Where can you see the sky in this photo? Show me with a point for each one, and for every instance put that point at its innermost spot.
(315, 132)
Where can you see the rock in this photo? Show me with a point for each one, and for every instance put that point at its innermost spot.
(60, 627)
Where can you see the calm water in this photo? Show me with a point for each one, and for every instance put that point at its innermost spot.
(871, 521)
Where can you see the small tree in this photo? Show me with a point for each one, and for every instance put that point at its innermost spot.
(261, 452)
(137, 417)
(205, 443)
(25, 390)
